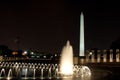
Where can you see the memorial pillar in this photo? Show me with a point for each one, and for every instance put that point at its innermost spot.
(117, 55)
(104, 55)
(98, 56)
(87, 56)
(93, 56)
(111, 55)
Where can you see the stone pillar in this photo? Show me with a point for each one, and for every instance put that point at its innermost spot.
(87, 56)
(104, 55)
(82, 60)
(98, 56)
(75, 60)
(111, 55)
(117, 55)
(93, 56)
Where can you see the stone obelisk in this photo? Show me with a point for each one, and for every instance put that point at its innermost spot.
(81, 44)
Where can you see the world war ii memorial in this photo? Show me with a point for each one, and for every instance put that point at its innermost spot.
(88, 65)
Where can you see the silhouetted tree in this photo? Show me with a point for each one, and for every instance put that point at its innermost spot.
(5, 50)
(19, 53)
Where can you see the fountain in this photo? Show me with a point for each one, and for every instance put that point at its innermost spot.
(40, 71)
(9, 74)
(66, 61)
(68, 69)
(2, 72)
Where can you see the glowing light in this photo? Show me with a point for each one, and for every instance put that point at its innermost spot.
(90, 53)
(32, 52)
(14, 53)
(44, 56)
(55, 55)
(24, 53)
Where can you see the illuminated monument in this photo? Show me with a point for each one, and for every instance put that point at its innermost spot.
(81, 45)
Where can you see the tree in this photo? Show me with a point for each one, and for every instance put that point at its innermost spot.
(4, 50)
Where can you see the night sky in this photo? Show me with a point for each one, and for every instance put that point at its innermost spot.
(46, 25)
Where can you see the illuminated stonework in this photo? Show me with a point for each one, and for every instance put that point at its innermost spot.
(81, 52)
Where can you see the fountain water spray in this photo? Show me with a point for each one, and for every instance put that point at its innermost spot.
(66, 61)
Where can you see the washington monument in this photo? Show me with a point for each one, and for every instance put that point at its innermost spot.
(81, 44)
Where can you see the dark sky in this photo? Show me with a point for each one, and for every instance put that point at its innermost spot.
(46, 25)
